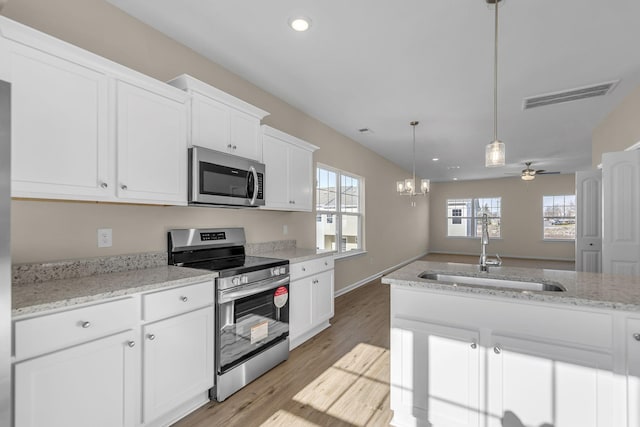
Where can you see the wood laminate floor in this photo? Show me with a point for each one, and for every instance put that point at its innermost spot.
(338, 378)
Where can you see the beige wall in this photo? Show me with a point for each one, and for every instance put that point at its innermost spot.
(619, 130)
(46, 231)
(521, 220)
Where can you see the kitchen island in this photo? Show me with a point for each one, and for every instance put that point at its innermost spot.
(464, 355)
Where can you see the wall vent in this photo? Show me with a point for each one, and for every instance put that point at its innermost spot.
(600, 89)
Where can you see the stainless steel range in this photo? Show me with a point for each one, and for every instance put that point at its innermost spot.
(252, 303)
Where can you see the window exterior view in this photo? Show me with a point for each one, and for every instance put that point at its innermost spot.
(464, 216)
(339, 208)
(559, 216)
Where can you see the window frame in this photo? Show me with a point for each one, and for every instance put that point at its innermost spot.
(556, 239)
(473, 217)
(338, 214)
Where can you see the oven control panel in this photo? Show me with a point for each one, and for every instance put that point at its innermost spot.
(278, 271)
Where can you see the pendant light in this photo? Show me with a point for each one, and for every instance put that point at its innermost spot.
(408, 186)
(494, 153)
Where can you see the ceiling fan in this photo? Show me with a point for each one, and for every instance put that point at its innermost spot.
(529, 174)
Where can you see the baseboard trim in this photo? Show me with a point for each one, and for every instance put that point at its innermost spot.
(366, 280)
(504, 256)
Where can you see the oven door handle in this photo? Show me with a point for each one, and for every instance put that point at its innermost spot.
(251, 289)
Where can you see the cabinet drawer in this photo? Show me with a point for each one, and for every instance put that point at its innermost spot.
(308, 268)
(51, 332)
(159, 305)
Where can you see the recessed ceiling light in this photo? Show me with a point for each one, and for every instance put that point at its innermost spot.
(435, 159)
(453, 167)
(455, 179)
(300, 23)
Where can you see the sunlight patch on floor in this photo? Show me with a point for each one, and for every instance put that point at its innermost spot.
(354, 390)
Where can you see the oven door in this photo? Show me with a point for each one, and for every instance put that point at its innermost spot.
(223, 179)
(251, 318)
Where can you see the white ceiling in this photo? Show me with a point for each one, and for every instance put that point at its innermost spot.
(381, 64)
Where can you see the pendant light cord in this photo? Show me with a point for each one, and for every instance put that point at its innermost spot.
(495, 76)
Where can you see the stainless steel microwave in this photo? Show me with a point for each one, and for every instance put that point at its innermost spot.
(221, 179)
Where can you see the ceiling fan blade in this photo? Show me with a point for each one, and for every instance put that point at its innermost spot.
(540, 171)
(548, 173)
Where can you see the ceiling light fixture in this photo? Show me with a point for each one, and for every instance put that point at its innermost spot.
(300, 23)
(494, 152)
(408, 186)
(435, 159)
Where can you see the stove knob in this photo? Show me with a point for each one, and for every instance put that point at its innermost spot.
(283, 270)
(235, 281)
(274, 272)
(245, 279)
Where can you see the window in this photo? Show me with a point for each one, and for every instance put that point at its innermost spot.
(559, 216)
(464, 216)
(339, 210)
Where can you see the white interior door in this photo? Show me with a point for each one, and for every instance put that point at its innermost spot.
(621, 213)
(589, 221)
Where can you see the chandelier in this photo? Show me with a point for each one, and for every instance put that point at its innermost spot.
(408, 186)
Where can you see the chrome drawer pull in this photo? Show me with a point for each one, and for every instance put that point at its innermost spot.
(86, 324)
(131, 344)
(151, 337)
(636, 336)
(184, 299)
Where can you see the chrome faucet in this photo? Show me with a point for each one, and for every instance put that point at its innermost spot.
(484, 261)
(485, 242)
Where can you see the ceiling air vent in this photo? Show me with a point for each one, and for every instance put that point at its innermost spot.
(569, 95)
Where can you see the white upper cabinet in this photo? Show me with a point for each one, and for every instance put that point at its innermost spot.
(60, 146)
(220, 121)
(86, 128)
(289, 171)
(151, 145)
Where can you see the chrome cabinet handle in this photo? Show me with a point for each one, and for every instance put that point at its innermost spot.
(229, 145)
(234, 147)
(636, 336)
(124, 187)
(104, 185)
(131, 344)
(497, 349)
(184, 299)
(86, 324)
(326, 263)
(151, 337)
(304, 269)
(474, 345)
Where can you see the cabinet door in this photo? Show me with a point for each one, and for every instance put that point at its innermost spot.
(178, 361)
(274, 153)
(93, 384)
(300, 311)
(301, 179)
(633, 372)
(59, 128)
(322, 304)
(435, 374)
(244, 135)
(540, 384)
(209, 123)
(589, 221)
(152, 146)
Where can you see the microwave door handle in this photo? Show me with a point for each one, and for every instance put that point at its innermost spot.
(255, 185)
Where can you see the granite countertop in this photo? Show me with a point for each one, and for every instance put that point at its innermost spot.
(297, 254)
(30, 298)
(583, 289)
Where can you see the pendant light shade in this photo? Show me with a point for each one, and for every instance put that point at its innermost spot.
(494, 155)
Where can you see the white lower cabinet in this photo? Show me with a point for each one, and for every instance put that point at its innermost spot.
(178, 361)
(532, 383)
(469, 361)
(445, 358)
(632, 341)
(93, 384)
(312, 294)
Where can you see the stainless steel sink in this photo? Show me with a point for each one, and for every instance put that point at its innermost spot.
(461, 280)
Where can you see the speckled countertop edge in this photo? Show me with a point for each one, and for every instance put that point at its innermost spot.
(43, 296)
(295, 255)
(583, 289)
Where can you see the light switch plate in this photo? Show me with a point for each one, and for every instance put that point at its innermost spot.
(105, 238)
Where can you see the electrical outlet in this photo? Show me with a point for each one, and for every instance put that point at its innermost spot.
(285, 229)
(105, 238)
